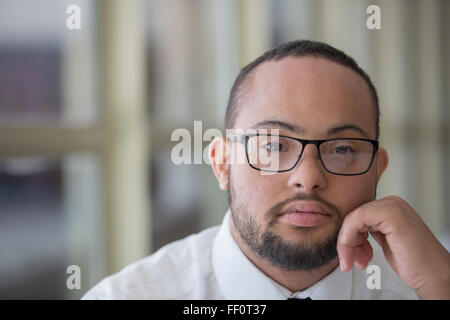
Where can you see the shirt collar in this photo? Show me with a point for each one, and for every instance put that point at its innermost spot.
(240, 279)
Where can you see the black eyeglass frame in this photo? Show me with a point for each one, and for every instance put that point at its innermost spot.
(305, 142)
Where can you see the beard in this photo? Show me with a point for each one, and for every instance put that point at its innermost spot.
(290, 256)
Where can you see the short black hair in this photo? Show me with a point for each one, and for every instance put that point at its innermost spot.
(299, 48)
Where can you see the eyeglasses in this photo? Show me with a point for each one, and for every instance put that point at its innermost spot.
(278, 153)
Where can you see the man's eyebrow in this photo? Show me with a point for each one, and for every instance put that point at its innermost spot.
(280, 124)
(299, 130)
(344, 127)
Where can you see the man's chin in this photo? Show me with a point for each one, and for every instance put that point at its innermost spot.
(298, 253)
(306, 237)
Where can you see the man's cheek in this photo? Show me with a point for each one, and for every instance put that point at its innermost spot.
(360, 195)
(247, 189)
(259, 197)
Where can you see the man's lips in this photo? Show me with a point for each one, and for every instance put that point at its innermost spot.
(305, 206)
(304, 213)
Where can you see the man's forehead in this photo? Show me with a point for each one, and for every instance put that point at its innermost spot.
(304, 89)
(303, 75)
(304, 66)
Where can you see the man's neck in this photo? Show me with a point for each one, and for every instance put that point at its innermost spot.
(292, 280)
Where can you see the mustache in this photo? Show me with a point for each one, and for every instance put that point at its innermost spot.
(275, 211)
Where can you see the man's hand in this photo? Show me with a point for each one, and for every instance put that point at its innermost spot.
(408, 244)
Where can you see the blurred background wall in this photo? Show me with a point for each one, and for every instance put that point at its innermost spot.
(86, 118)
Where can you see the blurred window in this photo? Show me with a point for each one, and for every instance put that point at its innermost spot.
(47, 72)
(48, 221)
(50, 212)
(192, 50)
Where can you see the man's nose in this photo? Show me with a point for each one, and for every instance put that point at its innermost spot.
(308, 174)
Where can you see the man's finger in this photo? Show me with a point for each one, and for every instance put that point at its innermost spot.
(379, 238)
(354, 232)
(346, 257)
(363, 254)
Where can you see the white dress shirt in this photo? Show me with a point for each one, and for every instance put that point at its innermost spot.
(210, 265)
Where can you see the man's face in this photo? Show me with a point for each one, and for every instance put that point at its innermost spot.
(312, 96)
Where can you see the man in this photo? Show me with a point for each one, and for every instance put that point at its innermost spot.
(302, 203)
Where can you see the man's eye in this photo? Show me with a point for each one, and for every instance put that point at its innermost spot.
(275, 147)
(343, 150)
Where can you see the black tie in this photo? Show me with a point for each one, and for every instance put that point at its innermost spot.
(307, 298)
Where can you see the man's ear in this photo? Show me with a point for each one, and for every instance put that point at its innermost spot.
(219, 149)
(382, 161)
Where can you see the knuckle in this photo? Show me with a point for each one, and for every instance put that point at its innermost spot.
(358, 212)
(397, 200)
